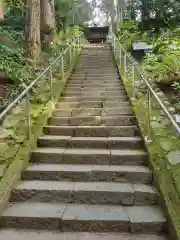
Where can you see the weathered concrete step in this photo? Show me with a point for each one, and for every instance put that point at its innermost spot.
(21, 234)
(93, 71)
(83, 217)
(92, 104)
(96, 73)
(115, 120)
(94, 79)
(107, 59)
(90, 66)
(103, 69)
(80, 88)
(94, 82)
(91, 98)
(75, 112)
(91, 142)
(89, 156)
(104, 60)
(85, 192)
(95, 85)
(88, 173)
(94, 67)
(93, 131)
(98, 93)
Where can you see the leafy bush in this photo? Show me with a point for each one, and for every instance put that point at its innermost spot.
(163, 64)
(129, 33)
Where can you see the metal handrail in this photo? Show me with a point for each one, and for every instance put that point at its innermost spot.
(25, 93)
(135, 66)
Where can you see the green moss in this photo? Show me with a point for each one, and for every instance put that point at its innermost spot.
(16, 156)
(164, 140)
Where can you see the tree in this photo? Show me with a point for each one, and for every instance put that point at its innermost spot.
(33, 39)
(47, 19)
(1, 10)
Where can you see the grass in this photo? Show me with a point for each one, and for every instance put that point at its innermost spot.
(164, 140)
(15, 156)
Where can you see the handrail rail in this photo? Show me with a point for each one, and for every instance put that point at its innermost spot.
(25, 92)
(150, 89)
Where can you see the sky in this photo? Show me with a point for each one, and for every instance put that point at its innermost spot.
(100, 17)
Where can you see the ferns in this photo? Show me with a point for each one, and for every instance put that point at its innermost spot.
(164, 62)
(129, 33)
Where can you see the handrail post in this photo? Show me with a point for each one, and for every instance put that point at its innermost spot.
(62, 67)
(28, 115)
(135, 69)
(80, 41)
(120, 57)
(74, 49)
(70, 56)
(50, 83)
(133, 81)
(125, 65)
(114, 42)
(149, 117)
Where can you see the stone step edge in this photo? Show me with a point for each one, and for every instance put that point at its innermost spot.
(84, 131)
(20, 234)
(85, 192)
(88, 173)
(108, 142)
(84, 217)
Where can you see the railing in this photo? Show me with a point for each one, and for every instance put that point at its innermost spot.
(68, 54)
(128, 66)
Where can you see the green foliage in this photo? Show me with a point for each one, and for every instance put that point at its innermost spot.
(129, 33)
(163, 64)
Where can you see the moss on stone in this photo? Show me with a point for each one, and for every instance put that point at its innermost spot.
(164, 140)
(16, 156)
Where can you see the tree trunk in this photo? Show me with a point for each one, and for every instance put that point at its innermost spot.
(47, 20)
(1, 10)
(33, 30)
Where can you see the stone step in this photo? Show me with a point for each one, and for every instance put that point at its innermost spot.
(95, 85)
(104, 60)
(89, 177)
(89, 156)
(119, 120)
(93, 131)
(100, 60)
(111, 69)
(96, 73)
(94, 79)
(88, 173)
(91, 98)
(101, 95)
(92, 104)
(80, 88)
(75, 112)
(84, 217)
(88, 69)
(103, 69)
(91, 142)
(99, 71)
(95, 66)
(95, 82)
(21, 234)
(115, 78)
(85, 192)
(89, 93)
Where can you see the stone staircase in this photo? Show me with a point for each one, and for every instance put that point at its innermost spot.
(89, 177)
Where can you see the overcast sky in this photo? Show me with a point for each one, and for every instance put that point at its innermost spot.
(99, 17)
